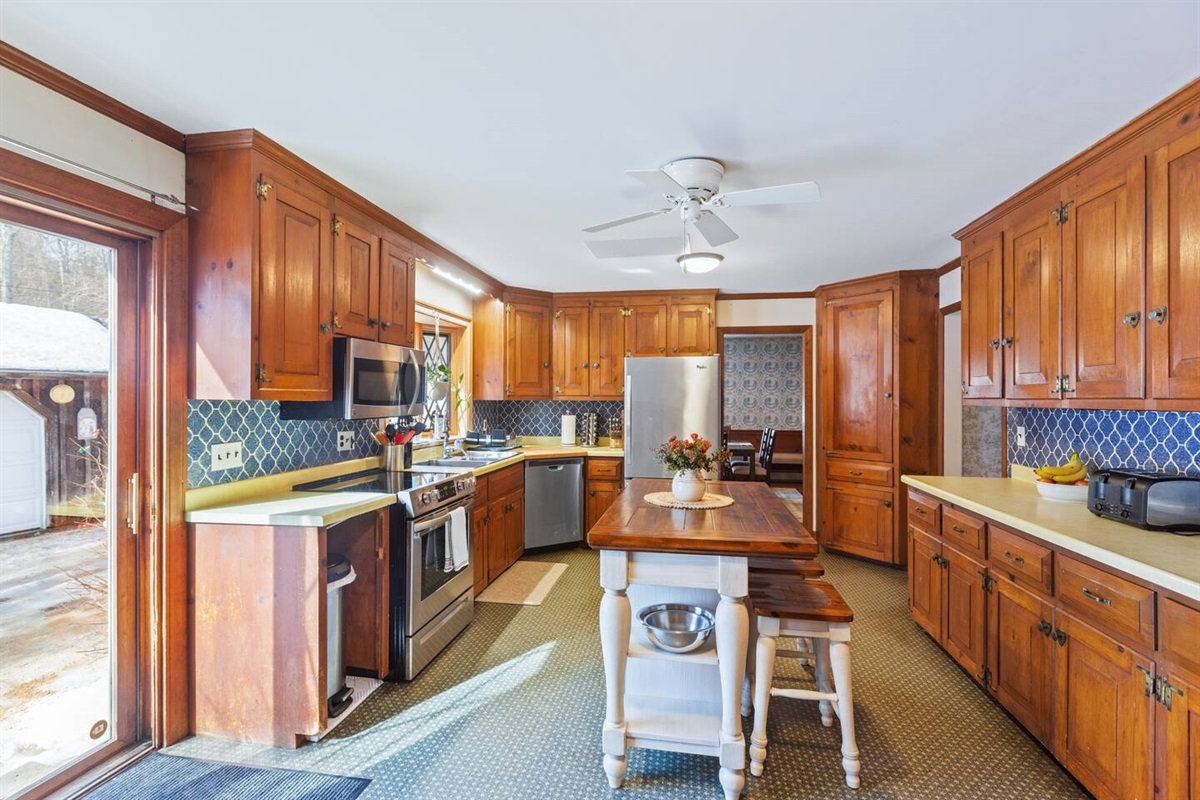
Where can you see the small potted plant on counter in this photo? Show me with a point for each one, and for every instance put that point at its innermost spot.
(689, 458)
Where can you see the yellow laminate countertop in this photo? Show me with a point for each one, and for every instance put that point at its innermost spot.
(1158, 557)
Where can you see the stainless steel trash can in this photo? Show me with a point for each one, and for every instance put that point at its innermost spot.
(339, 574)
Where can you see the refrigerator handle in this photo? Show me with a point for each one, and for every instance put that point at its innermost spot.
(628, 426)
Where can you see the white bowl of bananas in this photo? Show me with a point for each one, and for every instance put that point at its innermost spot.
(1066, 482)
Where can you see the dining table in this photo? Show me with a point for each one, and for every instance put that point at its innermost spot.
(746, 449)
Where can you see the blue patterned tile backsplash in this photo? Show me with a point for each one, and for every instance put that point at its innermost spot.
(270, 445)
(1147, 441)
(764, 382)
(542, 417)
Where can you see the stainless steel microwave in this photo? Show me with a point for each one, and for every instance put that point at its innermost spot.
(370, 380)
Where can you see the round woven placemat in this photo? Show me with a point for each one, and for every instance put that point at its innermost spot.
(667, 500)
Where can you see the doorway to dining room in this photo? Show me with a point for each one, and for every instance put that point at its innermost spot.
(766, 375)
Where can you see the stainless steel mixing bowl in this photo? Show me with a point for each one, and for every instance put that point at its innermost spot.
(675, 627)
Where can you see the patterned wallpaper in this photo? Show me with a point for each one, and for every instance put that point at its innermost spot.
(764, 382)
(1148, 441)
(270, 445)
(542, 417)
(981, 445)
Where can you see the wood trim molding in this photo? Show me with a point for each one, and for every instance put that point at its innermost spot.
(56, 80)
(950, 309)
(949, 266)
(1178, 102)
(766, 295)
(856, 284)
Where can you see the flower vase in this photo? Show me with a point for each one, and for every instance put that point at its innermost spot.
(688, 486)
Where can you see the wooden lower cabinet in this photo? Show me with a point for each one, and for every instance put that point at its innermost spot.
(1104, 712)
(604, 485)
(859, 521)
(925, 581)
(514, 527)
(480, 536)
(497, 524)
(965, 610)
(1178, 729)
(1020, 655)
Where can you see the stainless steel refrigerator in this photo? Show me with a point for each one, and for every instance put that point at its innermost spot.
(665, 396)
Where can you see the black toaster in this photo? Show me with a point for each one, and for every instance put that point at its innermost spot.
(1150, 501)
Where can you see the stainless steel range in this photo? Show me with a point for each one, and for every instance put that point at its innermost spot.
(432, 577)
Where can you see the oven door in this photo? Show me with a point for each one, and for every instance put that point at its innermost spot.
(433, 583)
(383, 380)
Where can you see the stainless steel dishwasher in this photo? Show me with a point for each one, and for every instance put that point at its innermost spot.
(553, 502)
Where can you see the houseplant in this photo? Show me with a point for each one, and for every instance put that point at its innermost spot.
(688, 458)
(441, 383)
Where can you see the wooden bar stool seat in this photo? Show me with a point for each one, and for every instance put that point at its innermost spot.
(797, 608)
(805, 568)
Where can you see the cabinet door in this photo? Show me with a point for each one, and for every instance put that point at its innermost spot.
(1174, 271)
(600, 495)
(857, 375)
(858, 521)
(689, 332)
(497, 550)
(479, 546)
(1020, 658)
(1103, 289)
(397, 306)
(1104, 712)
(364, 541)
(982, 326)
(514, 526)
(925, 581)
(355, 280)
(571, 364)
(607, 345)
(295, 349)
(966, 610)
(527, 356)
(1031, 313)
(1178, 722)
(646, 330)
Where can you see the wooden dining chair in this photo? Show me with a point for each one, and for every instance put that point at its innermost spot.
(766, 453)
(740, 468)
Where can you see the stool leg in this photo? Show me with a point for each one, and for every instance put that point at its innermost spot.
(821, 673)
(764, 673)
(839, 653)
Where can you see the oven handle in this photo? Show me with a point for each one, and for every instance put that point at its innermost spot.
(422, 525)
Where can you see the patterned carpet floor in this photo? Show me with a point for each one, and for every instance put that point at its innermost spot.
(513, 709)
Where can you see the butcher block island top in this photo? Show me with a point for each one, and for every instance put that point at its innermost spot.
(758, 524)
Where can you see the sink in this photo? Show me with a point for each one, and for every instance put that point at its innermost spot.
(491, 455)
(455, 462)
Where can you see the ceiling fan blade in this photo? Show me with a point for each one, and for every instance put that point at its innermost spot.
(714, 230)
(769, 195)
(659, 181)
(636, 248)
(623, 220)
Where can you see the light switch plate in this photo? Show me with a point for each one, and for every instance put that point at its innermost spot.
(227, 455)
(345, 441)
(1020, 436)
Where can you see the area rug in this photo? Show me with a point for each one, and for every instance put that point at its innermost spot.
(362, 690)
(525, 583)
(159, 777)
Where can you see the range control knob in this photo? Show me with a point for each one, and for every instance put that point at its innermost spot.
(1124, 513)
(426, 497)
(462, 485)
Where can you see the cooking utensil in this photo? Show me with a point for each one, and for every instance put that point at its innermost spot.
(390, 430)
(419, 428)
(675, 627)
(382, 438)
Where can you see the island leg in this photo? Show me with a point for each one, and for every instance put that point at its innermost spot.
(614, 643)
(733, 634)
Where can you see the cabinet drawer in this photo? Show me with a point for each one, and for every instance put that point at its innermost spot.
(506, 480)
(1024, 561)
(481, 489)
(1179, 634)
(1113, 603)
(837, 469)
(964, 531)
(604, 468)
(923, 511)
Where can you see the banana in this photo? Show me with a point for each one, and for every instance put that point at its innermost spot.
(1073, 465)
(1072, 477)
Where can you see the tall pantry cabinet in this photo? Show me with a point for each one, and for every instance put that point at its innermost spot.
(877, 408)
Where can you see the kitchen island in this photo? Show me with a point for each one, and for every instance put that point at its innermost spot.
(649, 555)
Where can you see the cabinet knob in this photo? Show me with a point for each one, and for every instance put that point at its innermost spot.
(591, 492)
(994, 344)
(545, 365)
(887, 395)
(1159, 314)
(372, 321)
(887, 503)
(674, 349)
(584, 365)
(662, 349)
(595, 365)
(325, 328)
(1132, 319)
(385, 324)
(1007, 341)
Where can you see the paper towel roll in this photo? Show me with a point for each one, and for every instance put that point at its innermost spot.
(568, 429)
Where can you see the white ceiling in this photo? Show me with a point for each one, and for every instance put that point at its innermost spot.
(500, 129)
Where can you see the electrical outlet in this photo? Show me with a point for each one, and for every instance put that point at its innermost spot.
(1020, 436)
(225, 456)
(345, 441)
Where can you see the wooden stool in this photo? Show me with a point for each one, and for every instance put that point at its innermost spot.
(805, 568)
(802, 568)
(813, 610)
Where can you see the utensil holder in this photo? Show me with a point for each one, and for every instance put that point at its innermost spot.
(397, 457)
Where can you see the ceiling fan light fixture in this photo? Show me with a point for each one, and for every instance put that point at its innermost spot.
(697, 263)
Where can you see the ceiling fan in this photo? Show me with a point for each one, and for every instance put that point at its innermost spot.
(691, 187)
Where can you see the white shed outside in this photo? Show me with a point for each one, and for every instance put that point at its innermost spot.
(22, 466)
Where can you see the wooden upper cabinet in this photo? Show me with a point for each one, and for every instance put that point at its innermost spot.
(982, 323)
(397, 309)
(1020, 658)
(355, 279)
(857, 376)
(646, 329)
(1103, 273)
(690, 330)
(527, 351)
(1031, 298)
(295, 292)
(607, 341)
(1173, 306)
(1104, 712)
(572, 365)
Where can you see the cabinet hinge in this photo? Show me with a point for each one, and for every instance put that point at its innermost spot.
(1163, 691)
(985, 677)
(558, 313)
(626, 312)
(260, 373)
(508, 388)
(1147, 679)
(335, 225)
(262, 189)
(988, 583)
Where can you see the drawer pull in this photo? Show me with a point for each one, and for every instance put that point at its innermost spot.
(887, 503)
(856, 473)
(1090, 595)
(957, 529)
(1044, 628)
(1014, 559)
(920, 511)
